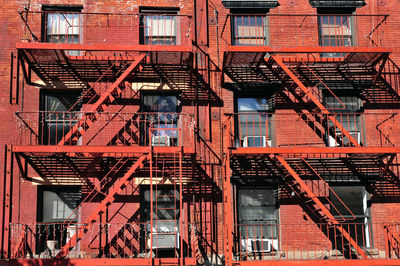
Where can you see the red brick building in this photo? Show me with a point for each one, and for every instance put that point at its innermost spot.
(183, 132)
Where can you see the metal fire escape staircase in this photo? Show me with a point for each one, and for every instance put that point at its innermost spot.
(291, 80)
(312, 200)
(105, 99)
(108, 199)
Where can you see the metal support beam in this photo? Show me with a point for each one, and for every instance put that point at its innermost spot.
(227, 201)
(7, 203)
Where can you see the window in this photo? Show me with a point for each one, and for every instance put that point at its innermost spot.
(55, 205)
(55, 120)
(159, 26)
(62, 25)
(249, 30)
(347, 105)
(254, 121)
(257, 219)
(355, 198)
(335, 30)
(161, 119)
(166, 216)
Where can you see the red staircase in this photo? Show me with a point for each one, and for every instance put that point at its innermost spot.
(291, 79)
(105, 99)
(101, 208)
(392, 240)
(314, 203)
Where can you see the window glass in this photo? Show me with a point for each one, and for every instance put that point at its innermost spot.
(255, 121)
(335, 30)
(160, 29)
(62, 27)
(56, 121)
(161, 119)
(257, 213)
(355, 198)
(347, 106)
(249, 30)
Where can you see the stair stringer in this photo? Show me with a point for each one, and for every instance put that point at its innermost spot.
(102, 206)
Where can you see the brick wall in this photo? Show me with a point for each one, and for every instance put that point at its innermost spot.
(24, 201)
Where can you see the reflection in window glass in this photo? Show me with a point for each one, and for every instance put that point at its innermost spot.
(56, 121)
(257, 218)
(255, 122)
(161, 119)
(355, 198)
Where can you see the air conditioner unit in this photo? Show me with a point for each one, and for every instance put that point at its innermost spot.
(259, 245)
(335, 143)
(165, 236)
(256, 141)
(161, 141)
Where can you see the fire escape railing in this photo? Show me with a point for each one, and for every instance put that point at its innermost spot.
(110, 129)
(314, 130)
(302, 30)
(105, 28)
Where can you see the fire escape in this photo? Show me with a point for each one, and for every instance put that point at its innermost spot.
(311, 144)
(155, 162)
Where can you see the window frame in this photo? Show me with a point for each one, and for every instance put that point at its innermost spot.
(345, 91)
(350, 13)
(265, 28)
(60, 9)
(152, 117)
(161, 12)
(274, 223)
(47, 119)
(366, 217)
(271, 138)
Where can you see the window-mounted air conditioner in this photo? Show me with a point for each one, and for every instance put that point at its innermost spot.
(336, 142)
(161, 141)
(256, 141)
(165, 236)
(259, 245)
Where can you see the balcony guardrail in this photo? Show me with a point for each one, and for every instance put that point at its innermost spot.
(122, 240)
(312, 130)
(105, 28)
(109, 129)
(304, 30)
(284, 241)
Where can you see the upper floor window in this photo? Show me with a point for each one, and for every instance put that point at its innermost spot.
(62, 24)
(161, 120)
(55, 118)
(335, 30)
(159, 26)
(347, 105)
(254, 121)
(249, 29)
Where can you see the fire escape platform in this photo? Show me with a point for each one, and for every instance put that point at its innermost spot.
(103, 261)
(357, 165)
(172, 65)
(74, 165)
(250, 66)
